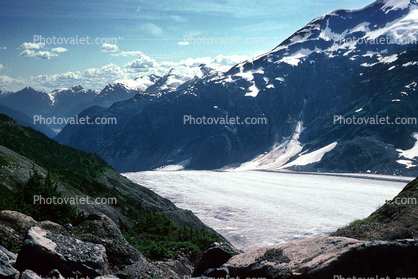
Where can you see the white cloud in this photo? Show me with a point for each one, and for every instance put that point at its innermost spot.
(8, 81)
(229, 60)
(151, 28)
(177, 18)
(142, 63)
(93, 78)
(38, 54)
(143, 66)
(2, 47)
(59, 50)
(183, 43)
(1, 67)
(26, 46)
(127, 53)
(109, 48)
(29, 51)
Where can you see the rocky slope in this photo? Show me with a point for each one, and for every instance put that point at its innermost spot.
(98, 223)
(396, 219)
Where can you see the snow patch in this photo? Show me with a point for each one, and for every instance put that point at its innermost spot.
(391, 5)
(253, 91)
(410, 153)
(312, 157)
(278, 155)
(175, 167)
(388, 59)
(295, 59)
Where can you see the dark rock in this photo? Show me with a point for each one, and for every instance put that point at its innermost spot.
(101, 226)
(43, 251)
(68, 227)
(29, 274)
(100, 229)
(140, 270)
(215, 256)
(6, 269)
(14, 225)
(220, 272)
(12, 256)
(53, 227)
(325, 257)
(54, 274)
(179, 268)
(98, 209)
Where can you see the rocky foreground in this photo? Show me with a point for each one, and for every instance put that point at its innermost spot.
(96, 249)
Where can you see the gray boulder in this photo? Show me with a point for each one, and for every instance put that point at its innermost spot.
(54, 274)
(43, 251)
(101, 229)
(326, 257)
(12, 256)
(6, 269)
(215, 256)
(142, 269)
(220, 272)
(29, 274)
(14, 225)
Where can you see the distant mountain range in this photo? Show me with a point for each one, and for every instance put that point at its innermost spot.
(70, 102)
(310, 94)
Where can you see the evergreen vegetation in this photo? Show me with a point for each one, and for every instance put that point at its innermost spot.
(158, 238)
(69, 164)
(22, 200)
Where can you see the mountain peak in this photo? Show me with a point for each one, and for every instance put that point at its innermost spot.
(392, 5)
(77, 88)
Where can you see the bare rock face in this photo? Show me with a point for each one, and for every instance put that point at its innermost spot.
(100, 229)
(14, 225)
(6, 268)
(215, 256)
(11, 256)
(326, 257)
(142, 269)
(43, 251)
(29, 274)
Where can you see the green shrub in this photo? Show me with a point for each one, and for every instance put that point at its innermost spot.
(158, 238)
(22, 200)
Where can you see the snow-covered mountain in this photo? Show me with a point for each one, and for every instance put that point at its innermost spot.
(68, 102)
(342, 66)
(4, 93)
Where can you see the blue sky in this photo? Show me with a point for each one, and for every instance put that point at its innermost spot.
(133, 38)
